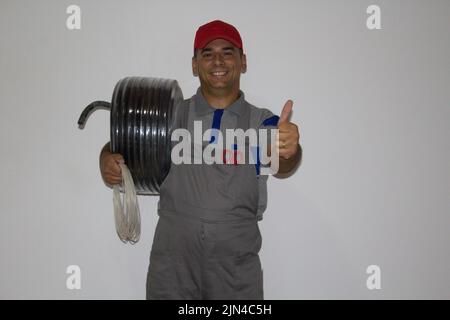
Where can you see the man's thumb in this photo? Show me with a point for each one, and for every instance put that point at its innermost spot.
(286, 111)
(118, 158)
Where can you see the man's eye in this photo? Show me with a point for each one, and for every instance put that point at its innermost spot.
(206, 55)
(228, 53)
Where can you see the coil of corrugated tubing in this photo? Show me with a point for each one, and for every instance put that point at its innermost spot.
(142, 113)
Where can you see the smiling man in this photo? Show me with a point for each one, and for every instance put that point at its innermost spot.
(207, 240)
(219, 65)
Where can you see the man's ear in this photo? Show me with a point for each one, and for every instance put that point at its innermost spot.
(244, 63)
(194, 66)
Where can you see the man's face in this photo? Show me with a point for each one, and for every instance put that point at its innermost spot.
(219, 65)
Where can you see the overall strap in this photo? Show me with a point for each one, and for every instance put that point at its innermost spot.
(244, 120)
(181, 115)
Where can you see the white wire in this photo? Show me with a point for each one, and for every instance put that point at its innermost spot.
(126, 209)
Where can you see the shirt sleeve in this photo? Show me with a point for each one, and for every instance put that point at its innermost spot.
(267, 121)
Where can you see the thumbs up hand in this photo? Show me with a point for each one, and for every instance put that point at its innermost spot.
(288, 135)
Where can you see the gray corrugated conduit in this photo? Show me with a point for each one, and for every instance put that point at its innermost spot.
(126, 209)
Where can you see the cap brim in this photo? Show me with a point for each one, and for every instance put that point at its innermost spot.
(218, 36)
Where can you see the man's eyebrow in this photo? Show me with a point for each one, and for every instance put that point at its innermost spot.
(223, 49)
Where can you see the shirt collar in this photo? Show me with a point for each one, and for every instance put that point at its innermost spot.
(202, 107)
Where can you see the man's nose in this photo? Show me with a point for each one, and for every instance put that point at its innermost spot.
(218, 59)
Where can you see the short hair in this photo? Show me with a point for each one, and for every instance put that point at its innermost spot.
(241, 52)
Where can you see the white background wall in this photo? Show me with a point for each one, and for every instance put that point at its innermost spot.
(372, 107)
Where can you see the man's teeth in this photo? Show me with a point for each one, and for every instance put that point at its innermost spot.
(219, 73)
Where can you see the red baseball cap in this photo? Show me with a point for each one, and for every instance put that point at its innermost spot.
(217, 30)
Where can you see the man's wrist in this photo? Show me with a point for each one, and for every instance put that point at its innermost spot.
(287, 165)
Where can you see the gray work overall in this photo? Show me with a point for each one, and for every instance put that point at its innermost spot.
(204, 246)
